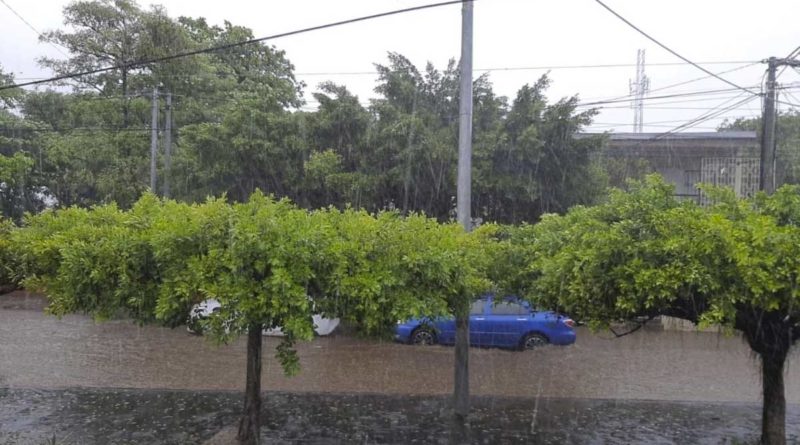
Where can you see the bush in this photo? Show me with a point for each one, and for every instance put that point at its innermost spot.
(8, 261)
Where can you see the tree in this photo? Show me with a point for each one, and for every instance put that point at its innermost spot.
(642, 254)
(787, 135)
(17, 193)
(256, 146)
(268, 263)
(10, 97)
(118, 33)
(8, 272)
(536, 165)
(337, 171)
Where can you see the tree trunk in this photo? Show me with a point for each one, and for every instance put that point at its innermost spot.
(250, 423)
(125, 106)
(773, 420)
(461, 380)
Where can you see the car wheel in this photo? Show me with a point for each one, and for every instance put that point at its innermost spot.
(533, 341)
(423, 337)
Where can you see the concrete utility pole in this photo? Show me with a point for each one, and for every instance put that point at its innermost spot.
(766, 179)
(767, 174)
(464, 204)
(154, 141)
(167, 144)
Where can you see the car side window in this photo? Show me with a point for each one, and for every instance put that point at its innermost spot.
(477, 307)
(508, 308)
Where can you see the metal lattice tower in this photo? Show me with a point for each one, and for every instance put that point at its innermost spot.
(638, 89)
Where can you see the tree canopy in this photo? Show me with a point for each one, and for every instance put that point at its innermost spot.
(642, 253)
(238, 127)
(267, 262)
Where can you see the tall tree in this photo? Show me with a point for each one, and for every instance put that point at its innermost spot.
(20, 183)
(643, 254)
(536, 164)
(787, 134)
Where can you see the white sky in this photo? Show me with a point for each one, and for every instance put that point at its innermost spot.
(508, 34)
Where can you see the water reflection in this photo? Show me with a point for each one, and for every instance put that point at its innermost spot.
(554, 386)
(97, 416)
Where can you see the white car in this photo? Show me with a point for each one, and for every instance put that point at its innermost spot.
(322, 325)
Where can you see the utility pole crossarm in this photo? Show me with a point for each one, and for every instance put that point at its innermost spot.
(788, 62)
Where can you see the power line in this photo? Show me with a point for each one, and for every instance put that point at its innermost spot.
(33, 28)
(689, 93)
(663, 108)
(673, 52)
(710, 114)
(67, 130)
(687, 81)
(665, 96)
(604, 125)
(790, 96)
(705, 117)
(493, 69)
(233, 45)
(791, 55)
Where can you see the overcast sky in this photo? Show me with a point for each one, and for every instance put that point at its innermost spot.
(509, 34)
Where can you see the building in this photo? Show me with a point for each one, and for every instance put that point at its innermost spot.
(726, 158)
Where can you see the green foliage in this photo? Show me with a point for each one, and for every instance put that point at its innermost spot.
(267, 262)
(92, 261)
(14, 188)
(787, 135)
(8, 262)
(643, 253)
(9, 97)
(236, 130)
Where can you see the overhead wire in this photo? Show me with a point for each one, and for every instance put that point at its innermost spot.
(791, 55)
(665, 96)
(671, 51)
(139, 63)
(705, 117)
(41, 36)
(686, 82)
(492, 69)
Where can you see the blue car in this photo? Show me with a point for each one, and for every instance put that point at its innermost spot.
(505, 323)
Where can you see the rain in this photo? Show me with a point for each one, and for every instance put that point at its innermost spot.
(213, 233)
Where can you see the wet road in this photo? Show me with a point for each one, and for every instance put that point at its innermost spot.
(105, 417)
(41, 351)
(96, 381)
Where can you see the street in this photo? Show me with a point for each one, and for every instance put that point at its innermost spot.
(678, 381)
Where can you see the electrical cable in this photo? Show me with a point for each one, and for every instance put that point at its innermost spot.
(673, 52)
(233, 45)
(704, 118)
(511, 68)
(34, 29)
(790, 56)
(666, 96)
(684, 82)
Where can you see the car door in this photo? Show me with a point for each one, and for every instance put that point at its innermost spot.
(506, 323)
(446, 327)
(478, 323)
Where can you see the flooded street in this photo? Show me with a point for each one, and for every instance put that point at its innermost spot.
(652, 386)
